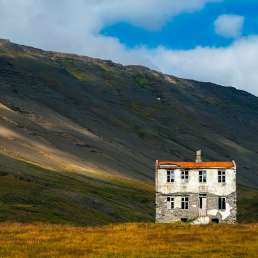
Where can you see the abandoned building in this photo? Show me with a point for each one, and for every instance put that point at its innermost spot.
(196, 192)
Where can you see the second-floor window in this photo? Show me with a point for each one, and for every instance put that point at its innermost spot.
(170, 176)
(185, 175)
(202, 176)
(170, 202)
(222, 176)
(222, 203)
(185, 203)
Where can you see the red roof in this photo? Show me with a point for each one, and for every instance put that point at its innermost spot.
(213, 164)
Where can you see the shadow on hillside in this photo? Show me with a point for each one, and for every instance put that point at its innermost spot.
(31, 194)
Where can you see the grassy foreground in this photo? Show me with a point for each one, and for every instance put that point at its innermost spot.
(129, 240)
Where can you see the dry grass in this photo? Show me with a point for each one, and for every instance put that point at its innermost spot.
(129, 240)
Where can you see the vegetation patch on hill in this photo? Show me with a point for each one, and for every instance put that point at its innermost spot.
(29, 193)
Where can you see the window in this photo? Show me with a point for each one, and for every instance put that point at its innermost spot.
(202, 176)
(222, 203)
(170, 202)
(170, 176)
(221, 176)
(185, 203)
(215, 221)
(185, 175)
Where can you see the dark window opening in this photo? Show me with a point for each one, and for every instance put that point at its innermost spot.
(222, 203)
(222, 176)
(170, 176)
(184, 219)
(215, 221)
(202, 176)
(185, 175)
(185, 203)
(170, 202)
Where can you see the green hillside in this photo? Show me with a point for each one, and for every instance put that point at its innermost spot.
(31, 194)
(79, 136)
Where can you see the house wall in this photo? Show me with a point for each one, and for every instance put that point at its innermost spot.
(192, 188)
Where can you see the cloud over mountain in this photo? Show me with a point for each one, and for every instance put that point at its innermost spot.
(75, 26)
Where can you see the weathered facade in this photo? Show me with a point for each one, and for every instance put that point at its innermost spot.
(197, 192)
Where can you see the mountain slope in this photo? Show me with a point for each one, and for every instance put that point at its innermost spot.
(104, 123)
(29, 194)
(100, 116)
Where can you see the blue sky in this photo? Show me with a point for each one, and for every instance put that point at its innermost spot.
(189, 30)
(205, 40)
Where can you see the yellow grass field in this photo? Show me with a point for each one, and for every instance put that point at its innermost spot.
(129, 240)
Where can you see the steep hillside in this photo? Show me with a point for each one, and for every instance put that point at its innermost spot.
(103, 125)
(80, 113)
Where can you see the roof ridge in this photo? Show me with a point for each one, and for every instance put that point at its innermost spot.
(203, 164)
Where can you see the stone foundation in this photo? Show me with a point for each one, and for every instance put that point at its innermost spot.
(165, 215)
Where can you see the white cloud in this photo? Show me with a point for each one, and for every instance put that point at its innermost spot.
(150, 14)
(234, 65)
(74, 26)
(229, 26)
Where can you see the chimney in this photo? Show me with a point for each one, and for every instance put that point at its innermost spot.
(198, 156)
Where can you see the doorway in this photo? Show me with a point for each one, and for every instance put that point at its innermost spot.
(202, 204)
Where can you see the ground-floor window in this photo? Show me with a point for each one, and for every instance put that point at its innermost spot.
(185, 202)
(222, 203)
(215, 220)
(170, 202)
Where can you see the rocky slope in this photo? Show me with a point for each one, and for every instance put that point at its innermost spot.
(106, 121)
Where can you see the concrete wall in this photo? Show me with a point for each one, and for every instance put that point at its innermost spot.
(193, 185)
(192, 188)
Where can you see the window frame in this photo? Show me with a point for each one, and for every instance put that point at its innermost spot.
(171, 202)
(185, 175)
(170, 176)
(221, 176)
(222, 203)
(202, 176)
(185, 202)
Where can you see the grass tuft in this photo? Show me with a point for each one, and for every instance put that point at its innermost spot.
(129, 240)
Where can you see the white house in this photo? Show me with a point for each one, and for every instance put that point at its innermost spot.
(197, 192)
